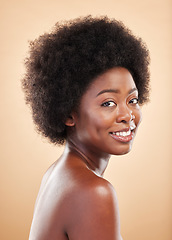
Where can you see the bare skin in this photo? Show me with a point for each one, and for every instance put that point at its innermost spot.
(75, 202)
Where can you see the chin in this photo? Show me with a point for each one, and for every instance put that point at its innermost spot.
(122, 150)
(123, 153)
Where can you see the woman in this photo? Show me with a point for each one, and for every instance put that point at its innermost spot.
(85, 82)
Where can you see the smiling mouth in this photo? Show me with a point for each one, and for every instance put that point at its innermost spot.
(124, 135)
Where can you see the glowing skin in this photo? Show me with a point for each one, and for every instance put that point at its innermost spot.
(75, 201)
(108, 116)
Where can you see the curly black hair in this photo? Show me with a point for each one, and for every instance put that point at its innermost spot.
(63, 63)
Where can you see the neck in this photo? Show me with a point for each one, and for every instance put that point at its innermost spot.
(95, 162)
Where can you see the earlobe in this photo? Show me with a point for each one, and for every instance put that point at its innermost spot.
(70, 121)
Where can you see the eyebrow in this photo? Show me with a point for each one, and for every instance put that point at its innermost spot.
(115, 91)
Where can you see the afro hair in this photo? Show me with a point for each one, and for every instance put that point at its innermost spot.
(63, 63)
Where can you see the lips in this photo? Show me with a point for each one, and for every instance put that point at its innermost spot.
(125, 135)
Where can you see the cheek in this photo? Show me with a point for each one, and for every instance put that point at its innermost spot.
(94, 126)
(92, 123)
(96, 118)
(101, 121)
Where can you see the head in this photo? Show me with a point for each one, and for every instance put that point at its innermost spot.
(64, 63)
(108, 115)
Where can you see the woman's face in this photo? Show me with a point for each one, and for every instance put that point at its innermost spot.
(109, 114)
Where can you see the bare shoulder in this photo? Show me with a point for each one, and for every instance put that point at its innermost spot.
(75, 202)
(44, 180)
(48, 173)
(94, 212)
(99, 189)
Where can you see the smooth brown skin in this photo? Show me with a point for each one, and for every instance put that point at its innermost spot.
(75, 202)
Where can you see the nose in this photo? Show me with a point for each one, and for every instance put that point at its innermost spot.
(124, 114)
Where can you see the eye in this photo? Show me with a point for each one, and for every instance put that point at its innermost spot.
(108, 104)
(134, 101)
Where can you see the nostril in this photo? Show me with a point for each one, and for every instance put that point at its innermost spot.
(124, 121)
(125, 115)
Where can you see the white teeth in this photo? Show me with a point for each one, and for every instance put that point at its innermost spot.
(129, 132)
(123, 134)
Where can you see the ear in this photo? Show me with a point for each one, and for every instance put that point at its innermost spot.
(70, 121)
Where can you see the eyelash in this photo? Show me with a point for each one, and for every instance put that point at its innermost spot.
(107, 104)
(133, 101)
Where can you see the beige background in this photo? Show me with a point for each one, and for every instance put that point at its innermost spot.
(143, 178)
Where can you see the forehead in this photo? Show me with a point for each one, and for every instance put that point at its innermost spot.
(118, 79)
